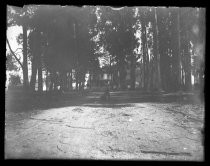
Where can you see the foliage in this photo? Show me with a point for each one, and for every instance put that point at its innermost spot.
(10, 63)
(67, 39)
(14, 80)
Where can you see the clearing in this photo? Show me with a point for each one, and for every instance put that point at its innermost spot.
(128, 127)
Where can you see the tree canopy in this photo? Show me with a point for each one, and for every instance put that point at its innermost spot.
(68, 42)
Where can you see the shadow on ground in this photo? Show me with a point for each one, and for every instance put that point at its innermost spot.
(108, 105)
(23, 102)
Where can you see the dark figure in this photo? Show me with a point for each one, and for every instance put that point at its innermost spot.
(106, 95)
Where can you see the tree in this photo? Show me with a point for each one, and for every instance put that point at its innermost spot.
(155, 20)
(10, 63)
(143, 18)
(188, 22)
(35, 41)
(56, 49)
(66, 42)
(14, 80)
(117, 37)
(197, 39)
(20, 17)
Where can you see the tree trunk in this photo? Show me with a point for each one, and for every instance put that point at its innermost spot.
(201, 77)
(47, 81)
(164, 40)
(156, 53)
(188, 70)
(40, 80)
(67, 80)
(79, 85)
(63, 82)
(144, 40)
(90, 80)
(148, 67)
(61, 78)
(25, 59)
(182, 78)
(33, 73)
(141, 74)
(133, 72)
(77, 80)
(70, 82)
(56, 83)
(52, 81)
(186, 60)
(122, 74)
(179, 51)
(83, 80)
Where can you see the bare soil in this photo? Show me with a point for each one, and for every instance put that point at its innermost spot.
(106, 130)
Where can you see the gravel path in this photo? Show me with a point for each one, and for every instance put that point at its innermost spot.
(140, 131)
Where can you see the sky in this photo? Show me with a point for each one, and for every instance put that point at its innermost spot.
(12, 33)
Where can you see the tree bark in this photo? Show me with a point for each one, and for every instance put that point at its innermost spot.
(157, 54)
(71, 78)
(90, 80)
(40, 79)
(65, 81)
(77, 80)
(56, 81)
(179, 52)
(133, 72)
(62, 81)
(52, 81)
(144, 40)
(148, 67)
(188, 70)
(25, 59)
(33, 73)
(122, 74)
(47, 81)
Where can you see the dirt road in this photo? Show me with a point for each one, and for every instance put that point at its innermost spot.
(140, 131)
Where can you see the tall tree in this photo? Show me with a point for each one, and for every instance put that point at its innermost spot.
(118, 37)
(21, 17)
(143, 15)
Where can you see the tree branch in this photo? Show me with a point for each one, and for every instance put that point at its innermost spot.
(18, 53)
(18, 49)
(14, 54)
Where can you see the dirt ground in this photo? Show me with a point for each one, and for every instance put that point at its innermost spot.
(103, 130)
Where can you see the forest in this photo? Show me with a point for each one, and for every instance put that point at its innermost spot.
(65, 46)
(105, 83)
